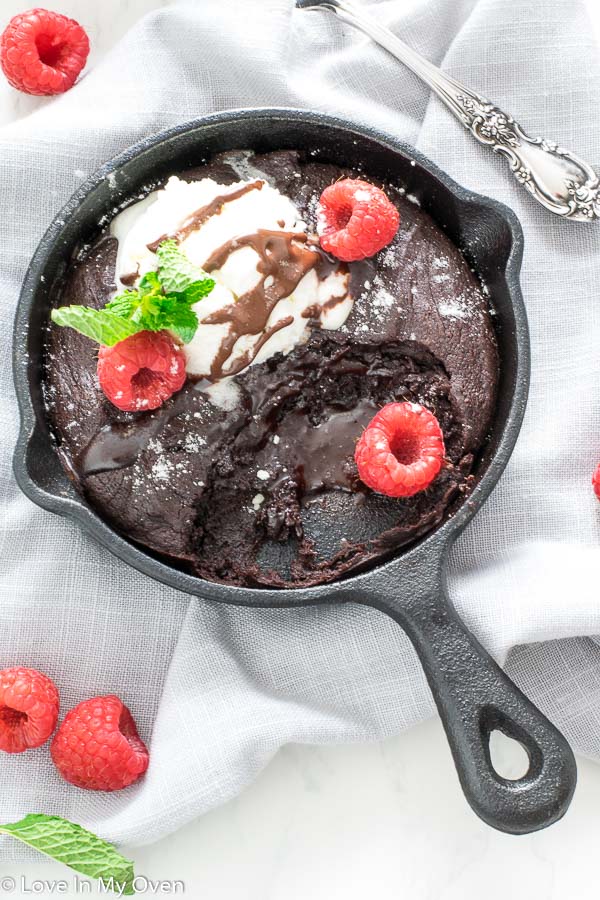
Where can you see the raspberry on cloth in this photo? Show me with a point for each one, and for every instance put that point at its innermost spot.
(98, 746)
(28, 709)
(43, 52)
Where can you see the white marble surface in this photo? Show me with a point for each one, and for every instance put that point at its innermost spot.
(384, 821)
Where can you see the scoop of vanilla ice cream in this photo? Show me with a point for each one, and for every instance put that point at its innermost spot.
(165, 211)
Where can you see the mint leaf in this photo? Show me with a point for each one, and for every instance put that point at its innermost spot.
(184, 323)
(141, 305)
(75, 847)
(175, 270)
(123, 304)
(101, 325)
(149, 284)
(197, 290)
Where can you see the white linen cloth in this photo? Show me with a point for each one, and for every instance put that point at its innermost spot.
(217, 690)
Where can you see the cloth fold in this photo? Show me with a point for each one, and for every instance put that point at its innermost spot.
(217, 690)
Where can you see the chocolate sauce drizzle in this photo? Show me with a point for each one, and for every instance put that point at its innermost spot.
(283, 261)
(201, 215)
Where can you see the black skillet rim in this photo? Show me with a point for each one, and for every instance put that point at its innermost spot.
(439, 541)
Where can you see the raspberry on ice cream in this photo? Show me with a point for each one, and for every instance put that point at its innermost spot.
(43, 52)
(401, 451)
(28, 709)
(142, 371)
(98, 746)
(355, 219)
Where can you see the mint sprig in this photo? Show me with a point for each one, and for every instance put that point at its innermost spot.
(162, 300)
(75, 847)
(100, 325)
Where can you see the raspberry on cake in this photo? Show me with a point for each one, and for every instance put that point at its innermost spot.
(28, 709)
(355, 219)
(98, 746)
(43, 52)
(142, 371)
(401, 451)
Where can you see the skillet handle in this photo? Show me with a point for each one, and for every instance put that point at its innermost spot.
(475, 697)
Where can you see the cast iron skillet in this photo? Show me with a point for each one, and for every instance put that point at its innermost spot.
(473, 695)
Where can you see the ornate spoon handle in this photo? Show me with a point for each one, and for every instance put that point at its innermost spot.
(559, 180)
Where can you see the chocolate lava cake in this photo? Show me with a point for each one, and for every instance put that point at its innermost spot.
(247, 475)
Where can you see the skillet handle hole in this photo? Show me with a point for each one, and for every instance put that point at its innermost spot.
(510, 759)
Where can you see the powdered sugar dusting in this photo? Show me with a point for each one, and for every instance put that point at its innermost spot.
(193, 442)
(376, 302)
(161, 470)
(388, 257)
(383, 299)
(460, 307)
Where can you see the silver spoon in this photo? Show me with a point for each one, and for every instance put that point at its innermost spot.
(558, 179)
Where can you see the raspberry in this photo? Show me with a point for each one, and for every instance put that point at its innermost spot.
(401, 450)
(142, 371)
(43, 52)
(98, 747)
(28, 709)
(596, 481)
(355, 219)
